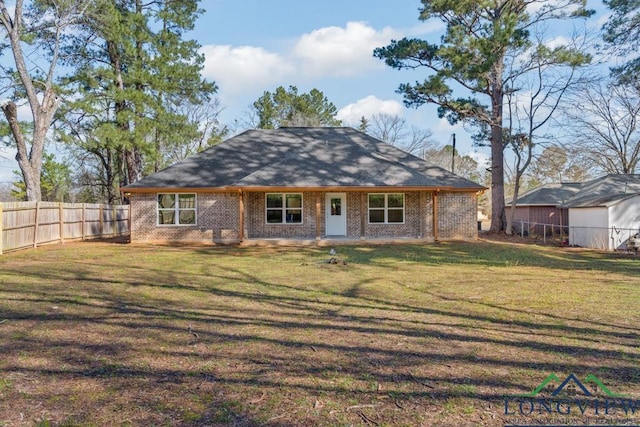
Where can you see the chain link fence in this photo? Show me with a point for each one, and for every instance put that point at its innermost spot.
(604, 238)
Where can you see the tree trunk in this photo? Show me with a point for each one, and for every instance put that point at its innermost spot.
(43, 104)
(134, 164)
(30, 175)
(498, 219)
(512, 209)
(132, 156)
(497, 180)
(520, 170)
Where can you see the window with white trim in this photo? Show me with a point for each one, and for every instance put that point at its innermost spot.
(176, 209)
(386, 208)
(283, 208)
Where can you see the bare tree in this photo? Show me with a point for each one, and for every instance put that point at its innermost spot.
(210, 131)
(465, 165)
(40, 32)
(537, 86)
(603, 123)
(394, 130)
(557, 163)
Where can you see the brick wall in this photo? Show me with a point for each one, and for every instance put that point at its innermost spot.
(412, 221)
(354, 221)
(257, 227)
(217, 219)
(428, 214)
(457, 215)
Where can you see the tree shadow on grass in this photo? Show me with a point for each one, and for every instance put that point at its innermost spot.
(494, 255)
(314, 353)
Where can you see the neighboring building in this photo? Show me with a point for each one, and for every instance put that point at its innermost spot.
(543, 205)
(302, 183)
(605, 212)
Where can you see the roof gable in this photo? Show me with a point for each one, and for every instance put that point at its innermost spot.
(606, 191)
(303, 157)
(549, 194)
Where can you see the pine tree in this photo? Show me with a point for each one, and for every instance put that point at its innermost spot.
(622, 33)
(55, 181)
(285, 107)
(134, 72)
(473, 57)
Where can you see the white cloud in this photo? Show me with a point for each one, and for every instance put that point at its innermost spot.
(483, 159)
(558, 42)
(324, 52)
(541, 6)
(443, 125)
(600, 21)
(338, 51)
(236, 69)
(23, 110)
(424, 28)
(368, 106)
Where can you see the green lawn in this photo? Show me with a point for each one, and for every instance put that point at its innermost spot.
(99, 333)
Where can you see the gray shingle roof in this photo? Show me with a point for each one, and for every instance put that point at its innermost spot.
(303, 157)
(549, 194)
(606, 191)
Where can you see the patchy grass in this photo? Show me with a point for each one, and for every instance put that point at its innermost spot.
(109, 334)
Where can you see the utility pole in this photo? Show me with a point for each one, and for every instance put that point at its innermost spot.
(453, 154)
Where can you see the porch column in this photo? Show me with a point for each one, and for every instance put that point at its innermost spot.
(318, 215)
(423, 214)
(241, 210)
(435, 216)
(363, 215)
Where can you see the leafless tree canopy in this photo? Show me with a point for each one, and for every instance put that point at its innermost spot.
(394, 130)
(210, 131)
(603, 123)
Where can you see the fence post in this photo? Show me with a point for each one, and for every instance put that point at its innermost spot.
(544, 233)
(570, 235)
(115, 222)
(61, 221)
(521, 228)
(101, 220)
(84, 219)
(1, 232)
(35, 226)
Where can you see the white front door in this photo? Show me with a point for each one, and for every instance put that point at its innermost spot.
(336, 214)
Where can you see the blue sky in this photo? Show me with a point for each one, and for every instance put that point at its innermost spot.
(253, 46)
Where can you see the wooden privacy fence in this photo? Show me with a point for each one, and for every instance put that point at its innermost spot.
(29, 224)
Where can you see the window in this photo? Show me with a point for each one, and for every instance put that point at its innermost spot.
(284, 208)
(386, 208)
(176, 209)
(336, 206)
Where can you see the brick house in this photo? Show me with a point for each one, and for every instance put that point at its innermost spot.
(302, 183)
